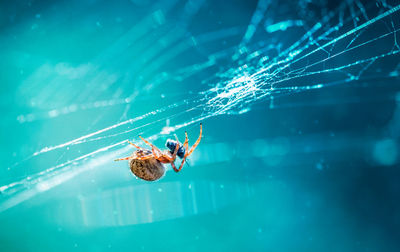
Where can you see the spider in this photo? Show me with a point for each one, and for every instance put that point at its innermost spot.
(148, 164)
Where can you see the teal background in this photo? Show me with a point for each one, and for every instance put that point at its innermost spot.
(306, 168)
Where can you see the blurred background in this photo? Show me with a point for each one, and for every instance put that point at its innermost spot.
(300, 106)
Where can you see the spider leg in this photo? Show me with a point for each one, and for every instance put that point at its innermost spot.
(134, 157)
(145, 157)
(166, 157)
(134, 145)
(197, 142)
(174, 167)
(156, 154)
(191, 149)
(180, 167)
(186, 143)
(125, 158)
(156, 151)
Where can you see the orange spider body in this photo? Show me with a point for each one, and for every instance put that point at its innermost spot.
(149, 169)
(148, 164)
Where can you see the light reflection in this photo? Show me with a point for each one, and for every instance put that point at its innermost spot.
(385, 152)
(146, 203)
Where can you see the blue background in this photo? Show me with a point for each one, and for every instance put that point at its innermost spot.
(300, 148)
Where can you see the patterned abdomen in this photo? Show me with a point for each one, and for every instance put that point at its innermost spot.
(150, 169)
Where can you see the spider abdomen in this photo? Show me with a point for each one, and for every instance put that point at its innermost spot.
(149, 169)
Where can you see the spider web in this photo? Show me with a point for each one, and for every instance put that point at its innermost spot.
(279, 51)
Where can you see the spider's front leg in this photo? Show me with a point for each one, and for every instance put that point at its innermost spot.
(197, 141)
(186, 143)
(187, 153)
(185, 146)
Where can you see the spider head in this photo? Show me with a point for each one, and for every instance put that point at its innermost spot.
(171, 145)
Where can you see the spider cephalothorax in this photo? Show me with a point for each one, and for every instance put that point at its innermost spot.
(148, 164)
(171, 145)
